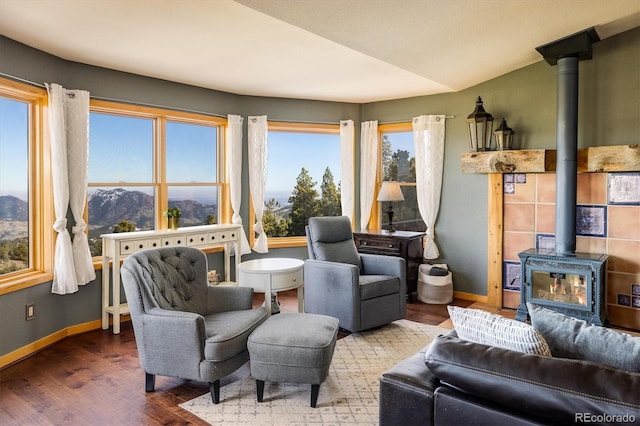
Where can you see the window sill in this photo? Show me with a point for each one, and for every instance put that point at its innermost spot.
(22, 281)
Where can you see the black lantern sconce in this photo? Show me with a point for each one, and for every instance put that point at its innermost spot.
(504, 136)
(480, 127)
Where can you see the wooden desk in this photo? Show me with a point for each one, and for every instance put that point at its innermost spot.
(405, 244)
(116, 247)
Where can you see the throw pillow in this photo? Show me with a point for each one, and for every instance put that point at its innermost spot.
(570, 337)
(493, 330)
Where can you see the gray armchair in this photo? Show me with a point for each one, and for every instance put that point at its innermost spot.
(183, 327)
(362, 290)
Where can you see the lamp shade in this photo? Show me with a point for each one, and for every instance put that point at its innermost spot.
(390, 191)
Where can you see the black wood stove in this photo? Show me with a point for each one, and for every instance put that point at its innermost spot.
(573, 285)
(563, 280)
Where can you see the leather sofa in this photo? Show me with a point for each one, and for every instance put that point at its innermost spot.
(454, 381)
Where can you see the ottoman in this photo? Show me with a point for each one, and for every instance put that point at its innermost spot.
(293, 348)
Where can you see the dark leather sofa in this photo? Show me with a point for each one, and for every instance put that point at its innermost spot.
(465, 383)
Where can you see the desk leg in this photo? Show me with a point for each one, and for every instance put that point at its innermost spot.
(116, 296)
(105, 290)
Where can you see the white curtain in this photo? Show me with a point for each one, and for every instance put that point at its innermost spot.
(257, 127)
(428, 137)
(69, 135)
(368, 166)
(347, 178)
(234, 166)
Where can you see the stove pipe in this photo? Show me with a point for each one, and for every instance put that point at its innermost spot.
(566, 53)
(566, 155)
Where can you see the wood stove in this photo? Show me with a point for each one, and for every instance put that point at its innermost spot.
(563, 280)
(573, 285)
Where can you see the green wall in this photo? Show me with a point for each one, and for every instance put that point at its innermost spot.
(609, 115)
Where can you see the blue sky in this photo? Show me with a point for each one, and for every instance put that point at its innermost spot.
(288, 153)
(13, 148)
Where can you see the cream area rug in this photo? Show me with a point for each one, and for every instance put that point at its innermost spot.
(348, 396)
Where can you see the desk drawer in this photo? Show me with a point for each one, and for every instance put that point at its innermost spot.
(197, 239)
(132, 246)
(222, 236)
(373, 246)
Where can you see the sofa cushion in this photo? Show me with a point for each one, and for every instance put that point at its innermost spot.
(493, 330)
(570, 337)
(554, 388)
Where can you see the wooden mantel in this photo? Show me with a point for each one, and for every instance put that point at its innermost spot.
(619, 158)
(602, 159)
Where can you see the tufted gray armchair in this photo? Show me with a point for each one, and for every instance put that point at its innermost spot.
(362, 290)
(183, 327)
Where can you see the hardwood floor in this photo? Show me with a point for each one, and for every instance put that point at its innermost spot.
(94, 379)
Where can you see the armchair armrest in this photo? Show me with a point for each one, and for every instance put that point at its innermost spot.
(377, 264)
(172, 343)
(332, 288)
(224, 299)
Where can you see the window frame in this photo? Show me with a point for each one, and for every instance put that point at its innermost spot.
(160, 117)
(292, 127)
(41, 233)
(376, 210)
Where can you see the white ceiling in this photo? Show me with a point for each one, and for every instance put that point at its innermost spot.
(337, 50)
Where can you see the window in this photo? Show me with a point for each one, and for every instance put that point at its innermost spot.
(303, 179)
(25, 213)
(144, 160)
(398, 163)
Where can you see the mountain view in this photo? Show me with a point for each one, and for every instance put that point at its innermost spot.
(106, 209)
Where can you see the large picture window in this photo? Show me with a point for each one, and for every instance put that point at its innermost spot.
(398, 164)
(303, 179)
(25, 244)
(144, 160)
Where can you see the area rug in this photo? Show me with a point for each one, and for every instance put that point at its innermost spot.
(349, 395)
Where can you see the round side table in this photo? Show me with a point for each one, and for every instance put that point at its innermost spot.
(271, 275)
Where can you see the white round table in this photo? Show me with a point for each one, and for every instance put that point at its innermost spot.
(272, 275)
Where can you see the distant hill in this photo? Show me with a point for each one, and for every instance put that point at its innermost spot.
(108, 207)
(13, 208)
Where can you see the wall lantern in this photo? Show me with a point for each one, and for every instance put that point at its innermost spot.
(480, 127)
(504, 136)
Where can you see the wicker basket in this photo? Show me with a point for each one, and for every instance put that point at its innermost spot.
(434, 289)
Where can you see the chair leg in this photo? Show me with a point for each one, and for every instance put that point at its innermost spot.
(315, 391)
(149, 382)
(259, 390)
(214, 388)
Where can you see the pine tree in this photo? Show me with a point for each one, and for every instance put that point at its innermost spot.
(330, 202)
(274, 220)
(304, 203)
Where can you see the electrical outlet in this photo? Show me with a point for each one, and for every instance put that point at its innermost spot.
(31, 311)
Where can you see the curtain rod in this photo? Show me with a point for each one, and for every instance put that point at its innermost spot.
(408, 121)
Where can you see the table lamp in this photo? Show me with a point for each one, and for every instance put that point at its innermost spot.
(390, 191)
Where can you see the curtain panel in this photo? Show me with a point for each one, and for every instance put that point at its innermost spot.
(234, 167)
(347, 177)
(69, 134)
(257, 127)
(428, 138)
(368, 166)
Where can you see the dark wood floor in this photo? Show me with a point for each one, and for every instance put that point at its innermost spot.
(94, 379)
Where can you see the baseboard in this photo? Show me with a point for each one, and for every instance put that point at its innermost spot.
(470, 296)
(38, 345)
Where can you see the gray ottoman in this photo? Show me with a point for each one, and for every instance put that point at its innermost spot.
(293, 348)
